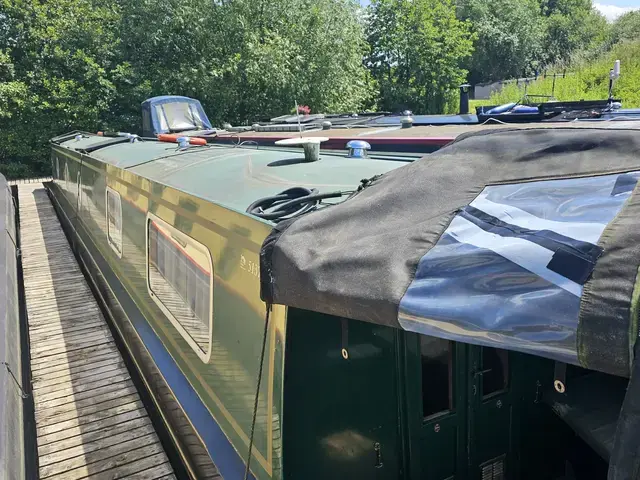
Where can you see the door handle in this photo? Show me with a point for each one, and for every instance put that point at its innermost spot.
(482, 372)
(378, 450)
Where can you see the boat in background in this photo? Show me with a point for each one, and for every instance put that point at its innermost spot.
(387, 131)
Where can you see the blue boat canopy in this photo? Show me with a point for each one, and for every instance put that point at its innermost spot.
(172, 113)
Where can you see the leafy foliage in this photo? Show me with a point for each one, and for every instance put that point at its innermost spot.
(57, 57)
(246, 59)
(587, 80)
(88, 64)
(627, 27)
(417, 48)
(571, 25)
(509, 38)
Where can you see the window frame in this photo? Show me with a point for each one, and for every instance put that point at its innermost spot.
(451, 382)
(204, 356)
(506, 384)
(110, 241)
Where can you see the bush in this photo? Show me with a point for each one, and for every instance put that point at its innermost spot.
(586, 80)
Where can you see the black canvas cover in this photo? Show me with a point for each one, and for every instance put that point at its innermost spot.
(519, 239)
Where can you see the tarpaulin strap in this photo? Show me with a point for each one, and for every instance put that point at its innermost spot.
(267, 281)
(625, 183)
(624, 463)
(573, 259)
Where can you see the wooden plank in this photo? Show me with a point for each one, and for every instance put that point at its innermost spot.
(74, 365)
(42, 314)
(79, 413)
(76, 371)
(104, 458)
(73, 337)
(47, 430)
(72, 399)
(117, 368)
(70, 357)
(46, 316)
(90, 438)
(90, 421)
(83, 430)
(58, 391)
(152, 473)
(70, 335)
(52, 330)
(76, 321)
(107, 438)
(47, 350)
(120, 466)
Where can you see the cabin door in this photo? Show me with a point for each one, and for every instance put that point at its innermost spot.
(490, 401)
(437, 407)
(459, 410)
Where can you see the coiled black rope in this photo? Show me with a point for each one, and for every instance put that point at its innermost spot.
(290, 203)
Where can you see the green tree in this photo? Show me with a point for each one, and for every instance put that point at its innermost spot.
(570, 26)
(509, 38)
(58, 57)
(627, 27)
(417, 48)
(248, 59)
(87, 64)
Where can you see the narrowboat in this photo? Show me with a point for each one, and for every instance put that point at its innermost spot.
(304, 314)
(386, 131)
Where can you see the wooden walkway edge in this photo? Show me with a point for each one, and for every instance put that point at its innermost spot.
(90, 421)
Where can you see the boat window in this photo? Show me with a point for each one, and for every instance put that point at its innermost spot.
(179, 281)
(495, 368)
(178, 116)
(436, 356)
(114, 221)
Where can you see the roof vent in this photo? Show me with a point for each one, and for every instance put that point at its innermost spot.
(406, 122)
(326, 125)
(358, 149)
(311, 146)
(183, 142)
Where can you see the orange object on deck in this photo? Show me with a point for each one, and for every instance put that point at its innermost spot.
(173, 138)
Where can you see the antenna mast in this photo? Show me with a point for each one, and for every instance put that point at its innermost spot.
(614, 74)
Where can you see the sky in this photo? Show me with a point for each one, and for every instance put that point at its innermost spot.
(611, 9)
(614, 8)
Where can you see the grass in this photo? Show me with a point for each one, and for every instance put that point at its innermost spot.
(586, 81)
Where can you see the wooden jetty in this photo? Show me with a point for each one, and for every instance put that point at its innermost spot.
(90, 420)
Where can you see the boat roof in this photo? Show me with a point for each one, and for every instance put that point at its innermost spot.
(236, 176)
